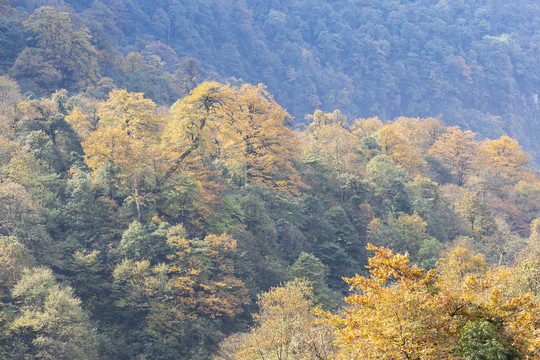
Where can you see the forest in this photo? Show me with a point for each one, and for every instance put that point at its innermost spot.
(471, 63)
(156, 204)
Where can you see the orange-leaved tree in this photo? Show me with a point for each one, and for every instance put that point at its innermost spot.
(396, 313)
(241, 127)
(462, 311)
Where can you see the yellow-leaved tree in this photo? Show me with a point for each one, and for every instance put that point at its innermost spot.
(395, 313)
(285, 328)
(457, 150)
(504, 157)
(188, 134)
(462, 310)
(329, 141)
(420, 133)
(499, 323)
(243, 128)
(398, 149)
(127, 141)
(202, 274)
(366, 127)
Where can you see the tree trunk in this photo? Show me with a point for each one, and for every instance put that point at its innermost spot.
(137, 199)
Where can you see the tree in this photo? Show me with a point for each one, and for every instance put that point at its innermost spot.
(65, 48)
(51, 320)
(284, 328)
(420, 133)
(534, 238)
(527, 269)
(399, 150)
(83, 114)
(256, 140)
(12, 37)
(35, 72)
(14, 258)
(366, 127)
(394, 313)
(479, 340)
(23, 218)
(477, 214)
(433, 207)
(45, 132)
(457, 149)
(127, 140)
(139, 242)
(504, 157)
(142, 295)
(79, 122)
(187, 75)
(290, 241)
(242, 127)
(388, 183)
(131, 112)
(202, 275)
(320, 119)
(10, 96)
(406, 233)
(499, 319)
(188, 134)
(308, 267)
(403, 312)
(459, 264)
(168, 309)
(89, 280)
(328, 140)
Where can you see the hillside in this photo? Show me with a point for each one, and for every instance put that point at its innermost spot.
(131, 231)
(473, 63)
(156, 204)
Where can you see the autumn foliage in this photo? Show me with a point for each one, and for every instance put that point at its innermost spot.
(404, 312)
(214, 228)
